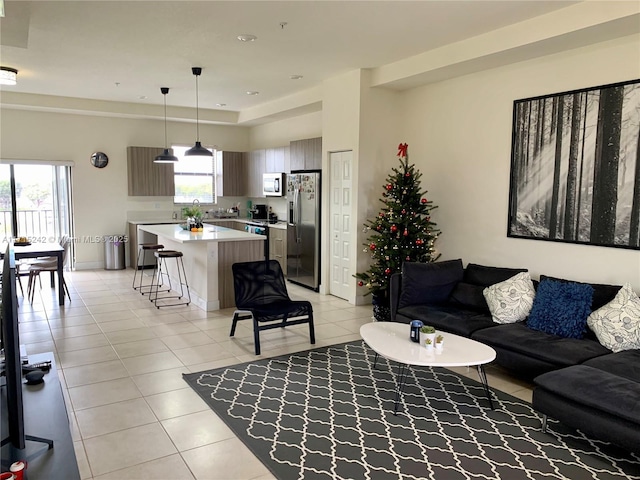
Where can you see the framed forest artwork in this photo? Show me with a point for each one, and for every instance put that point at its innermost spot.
(575, 167)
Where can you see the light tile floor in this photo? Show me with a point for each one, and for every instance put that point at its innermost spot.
(120, 360)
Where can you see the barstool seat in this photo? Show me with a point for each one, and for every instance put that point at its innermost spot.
(161, 267)
(143, 248)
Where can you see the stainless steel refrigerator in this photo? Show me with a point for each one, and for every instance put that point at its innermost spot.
(303, 229)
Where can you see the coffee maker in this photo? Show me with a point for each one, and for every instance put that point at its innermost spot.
(259, 212)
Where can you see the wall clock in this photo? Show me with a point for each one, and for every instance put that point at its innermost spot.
(99, 159)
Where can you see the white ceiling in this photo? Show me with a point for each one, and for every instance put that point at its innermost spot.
(125, 50)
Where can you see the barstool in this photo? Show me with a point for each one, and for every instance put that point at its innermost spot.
(161, 262)
(142, 255)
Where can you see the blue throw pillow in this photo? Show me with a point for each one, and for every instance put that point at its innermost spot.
(561, 308)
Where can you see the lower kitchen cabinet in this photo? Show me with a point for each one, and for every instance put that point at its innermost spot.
(278, 247)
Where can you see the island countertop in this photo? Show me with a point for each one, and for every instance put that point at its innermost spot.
(210, 233)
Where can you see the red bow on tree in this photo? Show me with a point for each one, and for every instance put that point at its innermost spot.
(402, 150)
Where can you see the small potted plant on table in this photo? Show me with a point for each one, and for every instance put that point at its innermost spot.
(428, 336)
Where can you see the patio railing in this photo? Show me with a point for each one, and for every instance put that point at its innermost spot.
(31, 223)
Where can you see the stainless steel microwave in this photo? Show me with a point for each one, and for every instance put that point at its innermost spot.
(273, 184)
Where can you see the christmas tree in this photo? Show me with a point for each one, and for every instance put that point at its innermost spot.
(402, 231)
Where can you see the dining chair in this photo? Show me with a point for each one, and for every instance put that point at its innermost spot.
(261, 295)
(47, 264)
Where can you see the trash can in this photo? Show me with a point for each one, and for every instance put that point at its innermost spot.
(114, 252)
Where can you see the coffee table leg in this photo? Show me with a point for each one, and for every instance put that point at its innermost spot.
(483, 379)
(402, 379)
(375, 360)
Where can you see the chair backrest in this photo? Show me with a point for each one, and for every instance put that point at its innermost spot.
(258, 283)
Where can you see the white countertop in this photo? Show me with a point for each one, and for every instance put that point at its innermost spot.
(279, 225)
(210, 233)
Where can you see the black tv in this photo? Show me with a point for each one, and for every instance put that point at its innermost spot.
(11, 346)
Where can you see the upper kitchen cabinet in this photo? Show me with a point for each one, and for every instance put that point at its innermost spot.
(306, 154)
(231, 174)
(146, 178)
(255, 162)
(275, 160)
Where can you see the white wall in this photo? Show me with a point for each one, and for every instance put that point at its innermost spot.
(459, 133)
(101, 203)
(281, 132)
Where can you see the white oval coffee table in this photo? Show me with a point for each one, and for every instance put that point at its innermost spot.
(391, 340)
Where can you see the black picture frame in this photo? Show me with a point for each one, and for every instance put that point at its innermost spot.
(575, 167)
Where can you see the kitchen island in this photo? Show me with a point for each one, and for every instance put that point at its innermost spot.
(208, 256)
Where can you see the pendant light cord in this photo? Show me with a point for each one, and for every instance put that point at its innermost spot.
(165, 121)
(197, 113)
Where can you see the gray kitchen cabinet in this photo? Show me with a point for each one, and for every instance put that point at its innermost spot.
(146, 178)
(306, 154)
(255, 165)
(231, 175)
(278, 247)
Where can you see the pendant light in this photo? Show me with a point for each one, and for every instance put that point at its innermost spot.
(197, 150)
(165, 156)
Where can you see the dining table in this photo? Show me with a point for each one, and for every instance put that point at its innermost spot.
(38, 250)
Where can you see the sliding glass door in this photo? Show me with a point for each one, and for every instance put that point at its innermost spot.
(35, 201)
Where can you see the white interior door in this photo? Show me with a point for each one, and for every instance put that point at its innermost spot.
(341, 188)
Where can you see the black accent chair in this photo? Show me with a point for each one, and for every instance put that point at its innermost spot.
(261, 294)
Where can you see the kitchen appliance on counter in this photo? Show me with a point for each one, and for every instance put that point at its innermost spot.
(303, 229)
(273, 184)
(259, 212)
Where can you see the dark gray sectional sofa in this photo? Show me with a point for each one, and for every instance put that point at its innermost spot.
(577, 381)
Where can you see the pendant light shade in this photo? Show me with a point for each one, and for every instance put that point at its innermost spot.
(197, 150)
(165, 156)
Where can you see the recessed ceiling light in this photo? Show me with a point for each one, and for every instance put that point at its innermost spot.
(142, 97)
(221, 104)
(246, 37)
(295, 77)
(252, 93)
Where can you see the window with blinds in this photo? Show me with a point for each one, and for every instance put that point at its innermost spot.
(194, 178)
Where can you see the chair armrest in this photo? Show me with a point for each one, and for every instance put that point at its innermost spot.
(395, 287)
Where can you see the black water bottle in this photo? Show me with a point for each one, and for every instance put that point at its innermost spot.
(414, 335)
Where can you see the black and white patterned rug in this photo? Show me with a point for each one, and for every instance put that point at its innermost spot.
(328, 413)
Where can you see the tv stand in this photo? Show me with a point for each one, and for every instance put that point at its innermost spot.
(45, 416)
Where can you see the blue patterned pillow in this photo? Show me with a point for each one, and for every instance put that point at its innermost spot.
(561, 308)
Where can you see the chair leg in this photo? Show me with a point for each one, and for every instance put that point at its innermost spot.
(256, 335)
(20, 284)
(234, 323)
(312, 330)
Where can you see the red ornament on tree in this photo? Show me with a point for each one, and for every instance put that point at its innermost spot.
(403, 211)
(394, 228)
(407, 174)
(387, 271)
(360, 283)
(419, 241)
(372, 246)
(423, 200)
(408, 258)
(389, 187)
(406, 232)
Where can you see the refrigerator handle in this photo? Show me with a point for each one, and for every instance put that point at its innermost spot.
(298, 212)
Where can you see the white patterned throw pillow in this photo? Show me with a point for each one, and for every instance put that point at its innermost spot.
(617, 324)
(510, 301)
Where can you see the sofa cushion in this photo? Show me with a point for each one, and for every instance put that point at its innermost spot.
(617, 324)
(467, 295)
(511, 301)
(602, 293)
(484, 276)
(595, 388)
(429, 283)
(561, 308)
(444, 317)
(540, 345)
(624, 364)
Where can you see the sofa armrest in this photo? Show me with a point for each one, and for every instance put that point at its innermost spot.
(395, 287)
